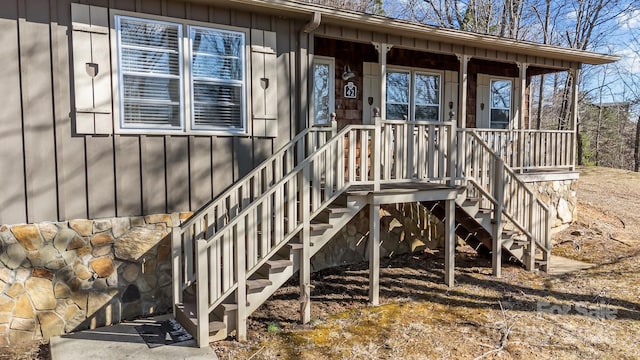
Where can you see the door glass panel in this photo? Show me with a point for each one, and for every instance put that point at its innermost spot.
(322, 92)
(397, 95)
(500, 103)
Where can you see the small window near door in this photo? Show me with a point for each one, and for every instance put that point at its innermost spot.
(323, 89)
(500, 103)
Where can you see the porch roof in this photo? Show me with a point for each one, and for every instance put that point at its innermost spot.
(421, 31)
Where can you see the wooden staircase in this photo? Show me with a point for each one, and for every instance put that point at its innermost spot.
(280, 267)
(236, 251)
(474, 225)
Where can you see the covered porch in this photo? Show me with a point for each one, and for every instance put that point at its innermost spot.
(488, 92)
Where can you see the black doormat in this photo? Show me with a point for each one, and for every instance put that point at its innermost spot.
(165, 332)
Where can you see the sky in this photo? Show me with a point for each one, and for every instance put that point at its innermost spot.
(616, 37)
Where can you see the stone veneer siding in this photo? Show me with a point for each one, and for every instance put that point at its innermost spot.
(559, 192)
(60, 277)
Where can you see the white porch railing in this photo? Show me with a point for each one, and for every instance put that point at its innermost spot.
(500, 189)
(526, 150)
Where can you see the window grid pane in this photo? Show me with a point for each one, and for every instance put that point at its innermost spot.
(150, 72)
(398, 86)
(426, 97)
(217, 79)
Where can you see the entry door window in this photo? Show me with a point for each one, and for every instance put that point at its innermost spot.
(323, 89)
(500, 92)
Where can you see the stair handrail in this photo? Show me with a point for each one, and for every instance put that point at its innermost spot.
(292, 145)
(228, 204)
(540, 238)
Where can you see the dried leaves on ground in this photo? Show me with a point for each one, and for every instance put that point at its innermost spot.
(593, 313)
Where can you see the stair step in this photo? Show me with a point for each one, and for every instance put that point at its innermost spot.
(521, 241)
(297, 246)
(258, 283)
(485, 211)
(230, 307)
(509, 233)
(186, 316)
(320, 226)
(333, 209)
(279, 264)
(216, 326)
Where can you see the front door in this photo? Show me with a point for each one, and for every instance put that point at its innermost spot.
(494, 105)
(323, 89)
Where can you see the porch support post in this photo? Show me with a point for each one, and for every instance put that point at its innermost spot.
(302, 80)
(382, 49)
(305, 250)
(463, 84)
(575, 73)
(450, 241)
(498, 194)
(522, 104)
(463, 81)
(374, 252)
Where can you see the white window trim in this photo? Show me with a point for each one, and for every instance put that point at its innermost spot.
(332, 85)
(422, 71)
(186, 111)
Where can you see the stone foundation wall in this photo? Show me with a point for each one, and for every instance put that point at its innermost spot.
(560, 196)
(61, 277)
(404, 228)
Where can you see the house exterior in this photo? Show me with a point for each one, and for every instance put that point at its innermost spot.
(182, 156)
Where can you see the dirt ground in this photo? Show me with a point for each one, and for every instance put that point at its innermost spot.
(590, 314)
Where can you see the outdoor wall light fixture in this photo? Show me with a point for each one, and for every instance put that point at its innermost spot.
(348, 74)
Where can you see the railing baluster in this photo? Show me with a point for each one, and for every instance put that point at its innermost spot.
(278, 226)
(431, 151)
(364, 155)
(352, 156)
(422, 156)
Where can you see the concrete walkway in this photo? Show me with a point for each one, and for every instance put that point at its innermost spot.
(563, 265)
(122, 341)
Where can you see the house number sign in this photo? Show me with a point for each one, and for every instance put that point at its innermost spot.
(350, 90)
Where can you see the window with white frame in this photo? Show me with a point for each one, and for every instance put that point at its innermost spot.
(413, 94)
(500, 92)
(164, 86)
(323, 101)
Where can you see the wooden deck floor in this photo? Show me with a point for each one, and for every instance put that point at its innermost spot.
(400, 192)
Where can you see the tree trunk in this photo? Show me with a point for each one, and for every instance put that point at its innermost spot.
(579, 145)
(636, 150)
(540, 104)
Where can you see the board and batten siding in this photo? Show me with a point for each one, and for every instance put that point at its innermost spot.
(49, 173)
